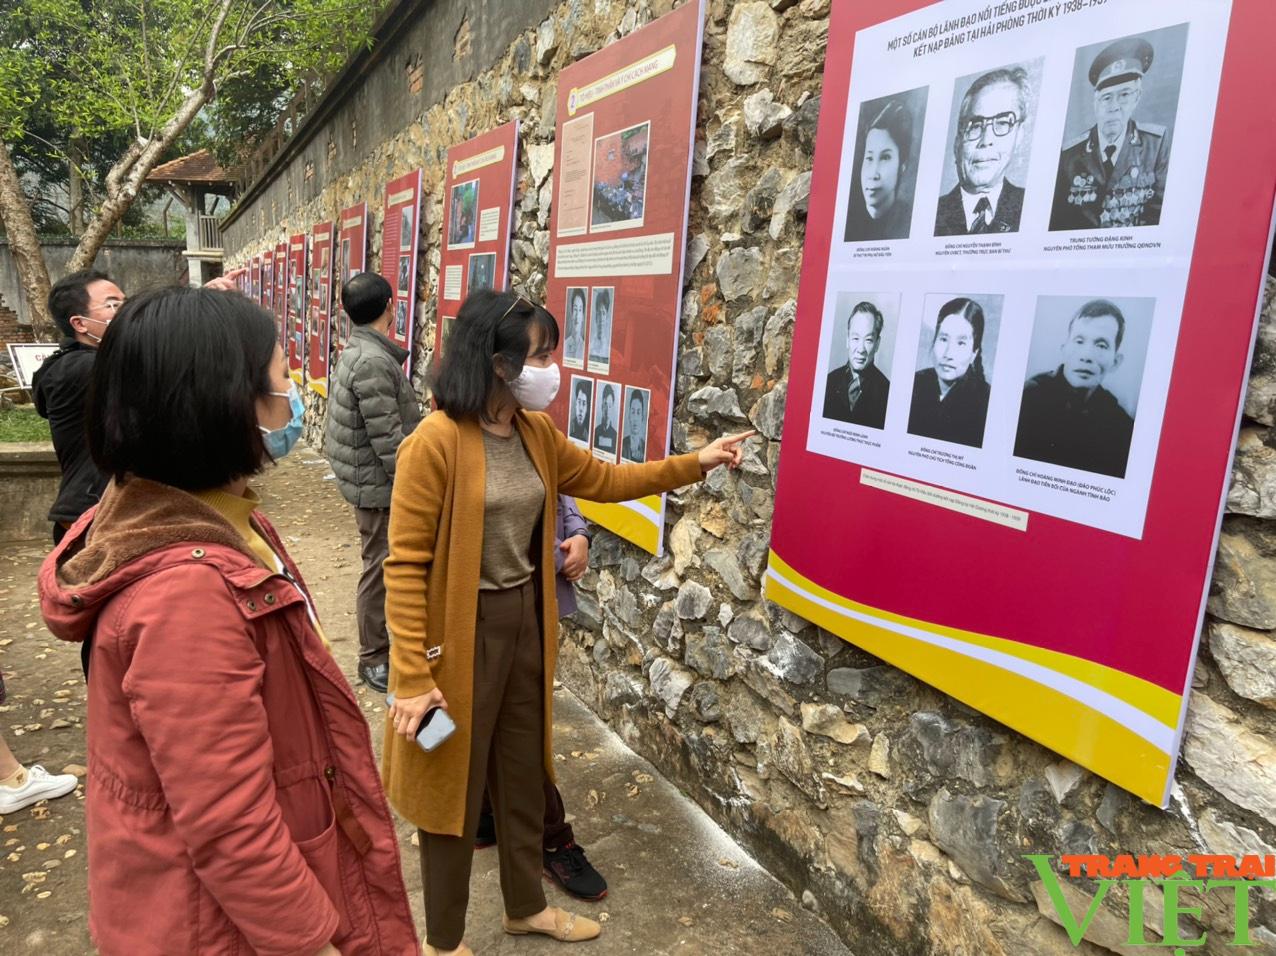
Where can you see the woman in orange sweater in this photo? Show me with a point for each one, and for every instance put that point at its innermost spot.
(471, 609)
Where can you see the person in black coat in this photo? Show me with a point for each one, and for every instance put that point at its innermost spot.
(879, 206)
(950, 399)
(989, 124)
(856, 392)
(82, 305)
(1067, 417)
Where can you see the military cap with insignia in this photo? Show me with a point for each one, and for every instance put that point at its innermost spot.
(1121, 61)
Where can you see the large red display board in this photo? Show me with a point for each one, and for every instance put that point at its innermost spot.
(255, 286)
(279, 293)
(352, 257)
(319, 313)
(1010, 423)
(478, 200)
(295, 307)
(622, 177)
(400, 232)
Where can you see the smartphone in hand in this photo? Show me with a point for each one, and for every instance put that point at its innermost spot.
(436, 727)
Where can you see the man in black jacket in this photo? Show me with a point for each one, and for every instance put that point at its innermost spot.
(989, 123)
(856, 392)
(1067, 417)
(82, 305)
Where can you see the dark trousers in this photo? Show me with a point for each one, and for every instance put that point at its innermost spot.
(557, 832)
(506, 750)
(369, 602)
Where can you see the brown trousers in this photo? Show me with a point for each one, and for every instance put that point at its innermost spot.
(506, 751)
(369, 602)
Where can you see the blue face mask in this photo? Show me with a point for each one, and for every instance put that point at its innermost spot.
(279, 441)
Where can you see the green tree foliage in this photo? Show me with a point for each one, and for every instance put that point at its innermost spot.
(100, 91)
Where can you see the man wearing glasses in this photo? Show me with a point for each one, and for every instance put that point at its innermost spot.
(989, 122)
(82, 305)
(1113, 177)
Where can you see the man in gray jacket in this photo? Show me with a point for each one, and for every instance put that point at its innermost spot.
(371, 409)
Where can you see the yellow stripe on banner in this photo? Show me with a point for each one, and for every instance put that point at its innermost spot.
(319, 386)
(1157, 702)
(630, 524)
(296, 375)
(1048, 716)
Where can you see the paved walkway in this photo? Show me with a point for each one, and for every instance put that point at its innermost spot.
(679, 885)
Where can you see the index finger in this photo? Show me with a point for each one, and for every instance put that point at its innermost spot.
(734, 439)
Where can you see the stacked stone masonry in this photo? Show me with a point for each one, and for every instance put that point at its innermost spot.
(899, 814)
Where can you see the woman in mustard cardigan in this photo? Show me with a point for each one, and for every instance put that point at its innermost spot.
(471, 609)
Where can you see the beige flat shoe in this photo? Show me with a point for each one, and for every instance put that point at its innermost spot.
(463, 951)
(568, 927)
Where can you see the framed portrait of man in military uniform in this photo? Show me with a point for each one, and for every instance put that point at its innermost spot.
(1115, 157)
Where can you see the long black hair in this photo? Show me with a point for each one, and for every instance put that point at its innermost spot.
(972, 312)
(174, 388)
(490, 327)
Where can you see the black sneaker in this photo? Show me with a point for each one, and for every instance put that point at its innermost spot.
(375, 676)
(486, 835)
(568, 867)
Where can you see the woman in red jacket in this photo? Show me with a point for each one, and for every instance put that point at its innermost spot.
(234, 804)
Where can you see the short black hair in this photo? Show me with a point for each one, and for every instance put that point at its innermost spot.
(1097, 308)
(490, 327)
(70, 296)
(174, 387)
(365, 297)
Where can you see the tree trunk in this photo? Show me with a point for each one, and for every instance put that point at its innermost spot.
(125, 180)
(75, 186)
(25, 246)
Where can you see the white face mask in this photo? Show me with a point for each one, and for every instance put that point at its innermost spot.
(536, 387)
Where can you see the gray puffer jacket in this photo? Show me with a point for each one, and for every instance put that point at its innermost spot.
(371, 409)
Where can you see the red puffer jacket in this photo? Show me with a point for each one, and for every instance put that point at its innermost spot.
(234, 804)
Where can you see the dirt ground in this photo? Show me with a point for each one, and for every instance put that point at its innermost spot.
(679, 885)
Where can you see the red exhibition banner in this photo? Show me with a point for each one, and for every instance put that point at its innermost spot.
(351, 260)
(319, 313)
(295, 307)
(622, 180)
(400, 232)
(478, 199)
(254, 280)
(279, 292)
(1026, 312)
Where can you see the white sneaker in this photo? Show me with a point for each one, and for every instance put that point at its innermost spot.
(39, 785)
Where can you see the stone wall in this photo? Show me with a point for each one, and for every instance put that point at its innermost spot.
(897, 812)
(135, 263)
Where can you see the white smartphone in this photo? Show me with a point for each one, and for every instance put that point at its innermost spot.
(436, 727)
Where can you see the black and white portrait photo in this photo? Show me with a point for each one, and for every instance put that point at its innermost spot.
(884, 175)
(405, 276)
(1085, 370)
(462, 222)
(407, 227)
(575, 324)
(401, 319)
(990, 136)
(580, 410)
(605, 442)
(345, 260)
(482, 271)
(954, 368)
(1116, 148)
(633, 446)
(860, 350)
(600, 327)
